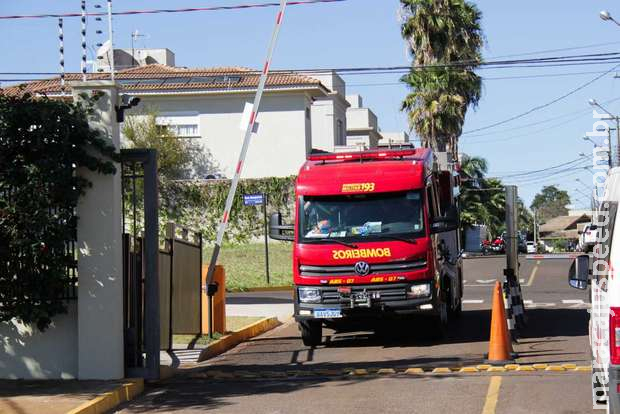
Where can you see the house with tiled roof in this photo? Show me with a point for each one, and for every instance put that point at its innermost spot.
(206, 105)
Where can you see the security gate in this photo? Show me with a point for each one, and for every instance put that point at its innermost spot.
(180, 284)
(140, 263)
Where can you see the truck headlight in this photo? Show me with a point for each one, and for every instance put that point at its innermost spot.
(420, 290)
(309, 295)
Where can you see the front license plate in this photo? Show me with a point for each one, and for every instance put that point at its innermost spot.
(327, 313)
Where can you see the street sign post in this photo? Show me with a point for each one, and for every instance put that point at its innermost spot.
(257, 200)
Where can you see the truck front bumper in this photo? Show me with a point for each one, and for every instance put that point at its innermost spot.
(367, 300)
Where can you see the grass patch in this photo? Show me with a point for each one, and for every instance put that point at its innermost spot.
(245, 264)
(233, 323)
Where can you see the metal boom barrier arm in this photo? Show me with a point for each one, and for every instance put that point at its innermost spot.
(211, 287)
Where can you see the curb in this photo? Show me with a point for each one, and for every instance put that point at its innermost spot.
(262, 289)
(111, 399)
(235, 338)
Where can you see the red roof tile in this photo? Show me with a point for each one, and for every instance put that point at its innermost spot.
(146, 78)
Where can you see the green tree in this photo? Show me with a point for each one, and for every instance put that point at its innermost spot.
(43, 143)
(483, 199)
(550, 202)
(177, 158)
(441, 33)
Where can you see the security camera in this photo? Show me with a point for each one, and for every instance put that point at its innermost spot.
(127, 101)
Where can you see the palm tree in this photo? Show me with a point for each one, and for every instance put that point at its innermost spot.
(441, 33)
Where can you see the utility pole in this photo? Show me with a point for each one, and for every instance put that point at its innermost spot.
(535, 229)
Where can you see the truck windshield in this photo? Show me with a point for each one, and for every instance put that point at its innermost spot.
(362, 216)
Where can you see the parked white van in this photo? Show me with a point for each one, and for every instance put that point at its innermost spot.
(597, 275)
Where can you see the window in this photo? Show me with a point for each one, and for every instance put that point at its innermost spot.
(362, 216)
(184, 130)
(181, 124)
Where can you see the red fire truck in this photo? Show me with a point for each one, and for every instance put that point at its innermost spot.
(375, 234)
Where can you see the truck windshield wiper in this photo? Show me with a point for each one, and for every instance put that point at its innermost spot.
(330, 240)
(387, 236)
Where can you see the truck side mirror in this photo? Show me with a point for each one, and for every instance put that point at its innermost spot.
(579, 273)
(279, 231)
(443, 225)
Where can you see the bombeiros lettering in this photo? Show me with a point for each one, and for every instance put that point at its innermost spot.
(361, 253)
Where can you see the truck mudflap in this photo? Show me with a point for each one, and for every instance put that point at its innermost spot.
(357, 300)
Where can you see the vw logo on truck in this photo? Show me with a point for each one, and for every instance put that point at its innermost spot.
(362, 268)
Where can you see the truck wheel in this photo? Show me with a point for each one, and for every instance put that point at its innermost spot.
(455, 312)
(311, 332)
(439, 322)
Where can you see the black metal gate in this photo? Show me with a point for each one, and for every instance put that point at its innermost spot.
(140, 263)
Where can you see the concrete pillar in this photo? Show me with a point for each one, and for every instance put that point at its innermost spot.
(100, 270)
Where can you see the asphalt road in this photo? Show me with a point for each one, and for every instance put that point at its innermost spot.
(275, 373)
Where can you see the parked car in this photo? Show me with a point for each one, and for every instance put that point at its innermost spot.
(530, 247)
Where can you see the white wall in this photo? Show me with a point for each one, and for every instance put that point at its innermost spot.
(29, 354)
(278, 149)
(100, 260)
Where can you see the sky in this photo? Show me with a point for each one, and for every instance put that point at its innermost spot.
(366, 33)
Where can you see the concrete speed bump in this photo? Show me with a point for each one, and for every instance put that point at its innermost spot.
(469, 370)
(569, 366)
(525, 368)
(386, 371)
(359, 372)
(540, 367)
(583, 368)
(496, 369)
(109, 400)
(483, 367)
(414, 371)
(511, 367)
(442, 371)
(557, 368)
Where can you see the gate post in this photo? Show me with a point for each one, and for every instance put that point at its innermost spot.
(99, 242)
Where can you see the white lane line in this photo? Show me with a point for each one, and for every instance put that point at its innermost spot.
(572, 301)
(471, 301)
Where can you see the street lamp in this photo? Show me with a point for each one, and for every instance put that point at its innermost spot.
(593, 102)
(606, 16)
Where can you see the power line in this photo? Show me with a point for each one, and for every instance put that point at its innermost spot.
(159, 11)
(544, 169)
(538, 62)
(539, 107)
(558, 50)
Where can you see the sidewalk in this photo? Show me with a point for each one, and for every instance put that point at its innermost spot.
(264, 304)
(50, 397)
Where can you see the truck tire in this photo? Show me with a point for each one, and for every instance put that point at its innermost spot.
(438, 322)
(311, 332)
(456, 311)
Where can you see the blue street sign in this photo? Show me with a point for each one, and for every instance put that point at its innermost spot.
(253, 199)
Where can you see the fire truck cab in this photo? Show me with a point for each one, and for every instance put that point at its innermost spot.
(375, 235)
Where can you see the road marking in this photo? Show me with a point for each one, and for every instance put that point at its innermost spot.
(492, 395)
(468, 301)
(572, 301)
(533, 274)
(373, 371)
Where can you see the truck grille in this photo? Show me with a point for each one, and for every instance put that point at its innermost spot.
(375, 269)
(388, 294)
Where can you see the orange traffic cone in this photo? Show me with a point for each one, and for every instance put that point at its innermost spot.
(500, 346)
